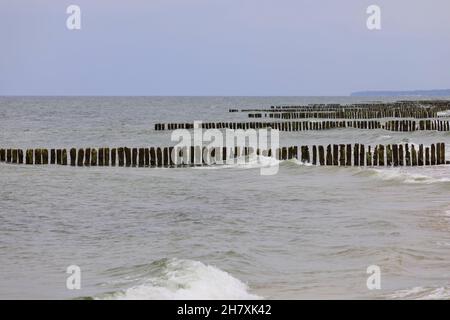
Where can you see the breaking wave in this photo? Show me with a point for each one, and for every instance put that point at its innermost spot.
(421, 293)
(177, 279)
(254, 162)
(404, 176)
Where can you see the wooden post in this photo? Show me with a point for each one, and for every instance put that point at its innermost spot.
(2, 155)
(395, 154)
(121, 156)
(73, 157)
(52, 156)
(44, 156)
(59, 156)
(87, 157)
(321, 156)
(152, 157)
(413, 155)
(438, 153)
(356, 155)
(329, 156)
(64, 157)
(37, 156)
(15, 156)
(20, 155)
(442, 153)
(93, 157)
(369, 156)
(80, 159)
(113, 157)
(420, 156)
(381, 155)
(362, 155)
(400, 155)
(127, 152)
(166, 157)
(407, 155)
(342, 155)
(427, 156)
(101, 154)
(388, 155)
(191, 156)
(29, 156)
(375, 156)
(159, 157)
(134, 158)
(183, 159)
(314, 151)
(335, 155)
(433, 154)
(8, 155)
(290, 152)
(147, 157)
(106, 157)
(349, 156)
(284, 153)
(305, 157)
(224, 154)
(141, 157)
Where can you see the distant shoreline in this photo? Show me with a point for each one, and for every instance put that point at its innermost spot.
(411, 93)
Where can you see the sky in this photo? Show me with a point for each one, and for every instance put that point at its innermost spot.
(222, 47)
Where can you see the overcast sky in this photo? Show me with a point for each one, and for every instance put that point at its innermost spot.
(222, 47)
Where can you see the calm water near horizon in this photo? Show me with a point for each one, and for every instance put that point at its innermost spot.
(215, 232)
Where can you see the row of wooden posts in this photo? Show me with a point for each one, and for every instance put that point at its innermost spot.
(400, 104)
(399, 108)
(330, 155)
(392, 125)
(348, 114)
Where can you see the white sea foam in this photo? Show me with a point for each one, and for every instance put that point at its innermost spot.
(301, 163)
(445, 113)
(406, 176)
(250, 162)
(421, 293)
(187, 279)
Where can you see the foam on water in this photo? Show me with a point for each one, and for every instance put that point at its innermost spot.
(186, 279)
(445, 113)
(421, 293)
(249, 162)
(255, 162)
(404, 176)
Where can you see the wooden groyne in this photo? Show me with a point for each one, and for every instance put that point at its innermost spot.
(391, 125)
(347, 114)
(399, 109)
(330, 155)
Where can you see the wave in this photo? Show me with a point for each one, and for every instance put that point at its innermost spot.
(421, 293)
(177, 279)
(444, 113)
(403, 175)
(254, 162)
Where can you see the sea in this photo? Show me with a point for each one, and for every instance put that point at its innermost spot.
(216, 232)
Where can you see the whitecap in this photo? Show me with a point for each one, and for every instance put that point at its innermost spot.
(406, 176)
(421, 293)
(187, 280)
